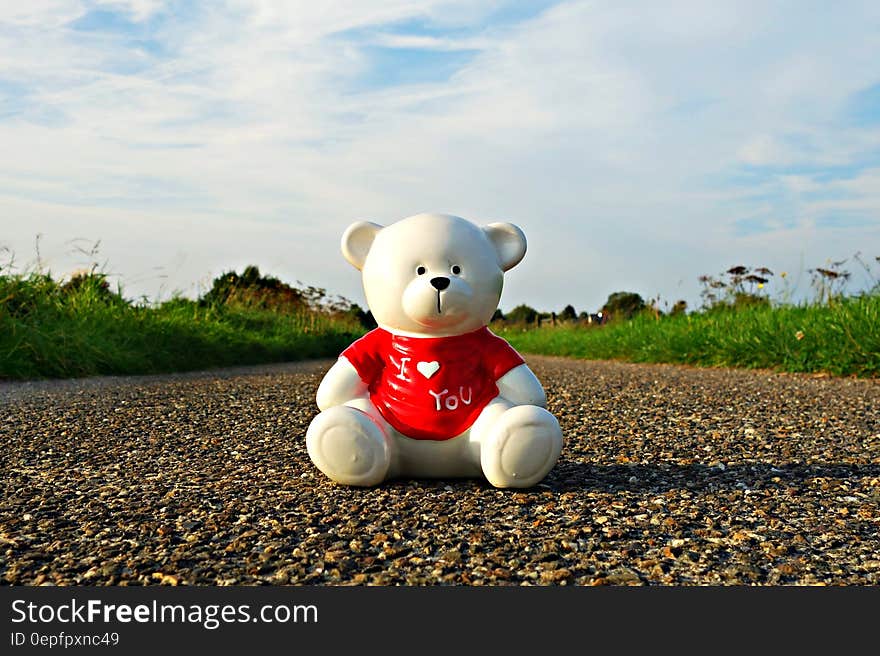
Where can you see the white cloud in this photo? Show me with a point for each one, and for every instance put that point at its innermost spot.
(616, 135)
(45, 14)
(428, 42)
(137, 10)
(764, 150)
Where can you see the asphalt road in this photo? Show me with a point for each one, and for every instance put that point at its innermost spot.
(669, 475)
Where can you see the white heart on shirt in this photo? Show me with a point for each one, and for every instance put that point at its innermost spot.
(428, 369)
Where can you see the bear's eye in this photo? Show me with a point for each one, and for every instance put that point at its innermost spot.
(455, 269)
(421, 270)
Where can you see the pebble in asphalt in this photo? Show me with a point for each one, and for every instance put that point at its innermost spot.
(669, 475)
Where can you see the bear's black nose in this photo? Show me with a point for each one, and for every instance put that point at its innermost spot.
(440, 283)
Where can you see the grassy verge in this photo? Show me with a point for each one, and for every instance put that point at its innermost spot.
(56, 331)
(842, 338)
(80, 328)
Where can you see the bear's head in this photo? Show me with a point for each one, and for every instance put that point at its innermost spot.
(433, 274)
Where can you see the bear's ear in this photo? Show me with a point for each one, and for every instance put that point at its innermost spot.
(356, 242)
(509, 242)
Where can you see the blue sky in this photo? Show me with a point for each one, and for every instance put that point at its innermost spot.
(639, 145)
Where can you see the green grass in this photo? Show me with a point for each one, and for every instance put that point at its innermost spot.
(54, 330)
(842, 338)
(49, 331)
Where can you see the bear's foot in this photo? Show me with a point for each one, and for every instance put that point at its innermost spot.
(521, 446)
(348, 447)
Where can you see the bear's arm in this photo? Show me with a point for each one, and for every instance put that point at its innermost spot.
(521, 387)
(340, 385)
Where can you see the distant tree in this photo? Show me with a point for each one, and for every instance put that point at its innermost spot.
(623, 305)
(251, 288)
(92, 284)
(522, 314)
(251, 277)
(680, 307)
(568, 313)
(498, 316)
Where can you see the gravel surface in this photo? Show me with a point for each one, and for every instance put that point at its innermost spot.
(669, 475)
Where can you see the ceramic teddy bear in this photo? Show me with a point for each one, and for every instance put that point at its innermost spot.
(432, 392)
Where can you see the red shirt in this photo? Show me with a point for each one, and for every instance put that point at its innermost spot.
(431, 388)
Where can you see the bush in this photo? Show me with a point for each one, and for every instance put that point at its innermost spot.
(623, 305)
(522, 314)
(568, 314)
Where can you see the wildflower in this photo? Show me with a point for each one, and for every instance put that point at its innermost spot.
(799, 335)
(829, 273)
(760, 285)
(783, 274)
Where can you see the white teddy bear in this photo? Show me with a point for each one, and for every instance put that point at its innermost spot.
(432, 392)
